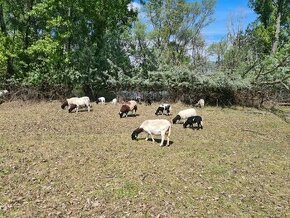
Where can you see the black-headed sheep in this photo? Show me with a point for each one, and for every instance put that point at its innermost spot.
(77, 103)
(154, 127)
(184, 114)
(200, 103)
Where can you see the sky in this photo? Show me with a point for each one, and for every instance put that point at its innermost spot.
(218, 29)
(237, 9)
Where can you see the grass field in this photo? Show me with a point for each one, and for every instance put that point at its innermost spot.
(56, 164)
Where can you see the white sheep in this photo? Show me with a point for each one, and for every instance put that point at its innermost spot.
(154, 127)
(76, 102)
(3, 92)
(200, 103)
(101, 100)
(114, 101)
(184, 114)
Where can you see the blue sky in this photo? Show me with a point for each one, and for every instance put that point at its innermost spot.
(218, 29)
(237, 9)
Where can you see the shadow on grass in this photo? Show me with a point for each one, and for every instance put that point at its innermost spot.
(81, 110)
(132, 115)
(194, 128)
(156, 141)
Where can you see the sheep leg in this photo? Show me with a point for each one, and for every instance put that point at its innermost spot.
(167, 143)
(89, 108)
(77, 109)
(162, 138)
(152, 137)
(168, 135)
(147, 137)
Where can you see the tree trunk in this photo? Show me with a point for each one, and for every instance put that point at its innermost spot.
(9, 67)
(277, 33)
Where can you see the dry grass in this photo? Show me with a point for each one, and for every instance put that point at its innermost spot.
(56, 164)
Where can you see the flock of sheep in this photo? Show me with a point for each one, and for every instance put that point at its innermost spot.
(151, 127)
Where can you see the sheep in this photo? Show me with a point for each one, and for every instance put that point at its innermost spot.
(200, 103)
(138, 99)
(3, 92)
(162, 108)
(154, 127)
(184, 114)
(76, 102)
(101, 100)
(114, 101)
(128, 106)
(194, 119)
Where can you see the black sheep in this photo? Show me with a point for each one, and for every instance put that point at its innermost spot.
(194, 119)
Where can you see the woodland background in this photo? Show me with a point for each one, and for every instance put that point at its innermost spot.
(57, 48)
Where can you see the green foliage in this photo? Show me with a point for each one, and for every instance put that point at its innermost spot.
(274, 19)
(177, 25)
(91, 46)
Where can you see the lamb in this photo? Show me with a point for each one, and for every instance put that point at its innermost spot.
(200, 103)
(76, 102)
(128, 106)
(3, 92)
(194, 119)
(184, 114)
(154, 127)
(101, 100)
(162, 108)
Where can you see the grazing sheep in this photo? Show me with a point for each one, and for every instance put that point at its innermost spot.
(3, 92)
(154, 127)
(200, 103)
(184, 114)
(138, 99)
(101, 100)
(76, 102)
(194, 119)
(163, 108)
(114, 101)
(128, 106)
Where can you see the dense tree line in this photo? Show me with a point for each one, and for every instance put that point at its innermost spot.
(94, 45)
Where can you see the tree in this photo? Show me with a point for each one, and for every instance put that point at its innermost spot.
(60, 42)
(177, 25)
(274, 17)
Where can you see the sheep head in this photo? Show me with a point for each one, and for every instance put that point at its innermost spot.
(135, 133)
(64, 104)
(175, 119)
